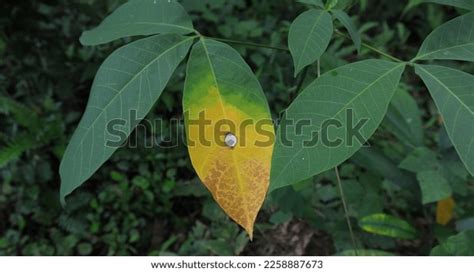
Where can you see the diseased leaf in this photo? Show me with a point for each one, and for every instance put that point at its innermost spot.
(404, 119)
(140, 17)
(388, 225)
(453, 40)
(452, 91)
(434, 186)
(221, 88)
(444, 210)
(316, 3)
(331, 119)
(128, 83)
(347, 22)
(310, 34)
(461, 244)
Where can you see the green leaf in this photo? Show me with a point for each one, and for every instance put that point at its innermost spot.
(339, 4)
(364, 252)
(20, 144)
(128, 83)
(461, 244)
(310, 34)
(452, 92)
(84, 249)
(140, 17)
(316, 3)
(404, 119)
(411, 4)
(420, 159)
(387, 225)
(331, 4)
(218, 247)
(374, 160)
(347, 22)
(280, 217)
(465, 224)
(434, 186)
(23, 115)
(464, 4)
(453, 40)
(359, 92)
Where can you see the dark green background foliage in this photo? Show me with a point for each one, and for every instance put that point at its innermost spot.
(149, 202)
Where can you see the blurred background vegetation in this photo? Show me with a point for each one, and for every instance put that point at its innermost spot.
(149, 202)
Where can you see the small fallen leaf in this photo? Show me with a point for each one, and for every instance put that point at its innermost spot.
(444, 210)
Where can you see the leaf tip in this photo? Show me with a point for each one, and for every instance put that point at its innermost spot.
(250, 234)
(84, 39)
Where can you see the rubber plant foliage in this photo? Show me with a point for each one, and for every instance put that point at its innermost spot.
(231, 155)
(230, 134)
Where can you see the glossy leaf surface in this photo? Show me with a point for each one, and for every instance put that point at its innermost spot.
(453, 40)
(309, 37)
(317, 130)
(452, 91)
(126, 86)
(140, 17)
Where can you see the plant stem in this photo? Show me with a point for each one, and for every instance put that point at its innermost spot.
(318, 63)
(341, 191)
(344, 205)
(368, 46)
(259, 45)
(301, 81)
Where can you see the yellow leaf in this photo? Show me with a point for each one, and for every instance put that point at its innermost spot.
(229, 130)
(444, 211)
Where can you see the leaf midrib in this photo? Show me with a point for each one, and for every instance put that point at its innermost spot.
(307, 40)
(241, 184)
(447, 88)
(442, 49)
